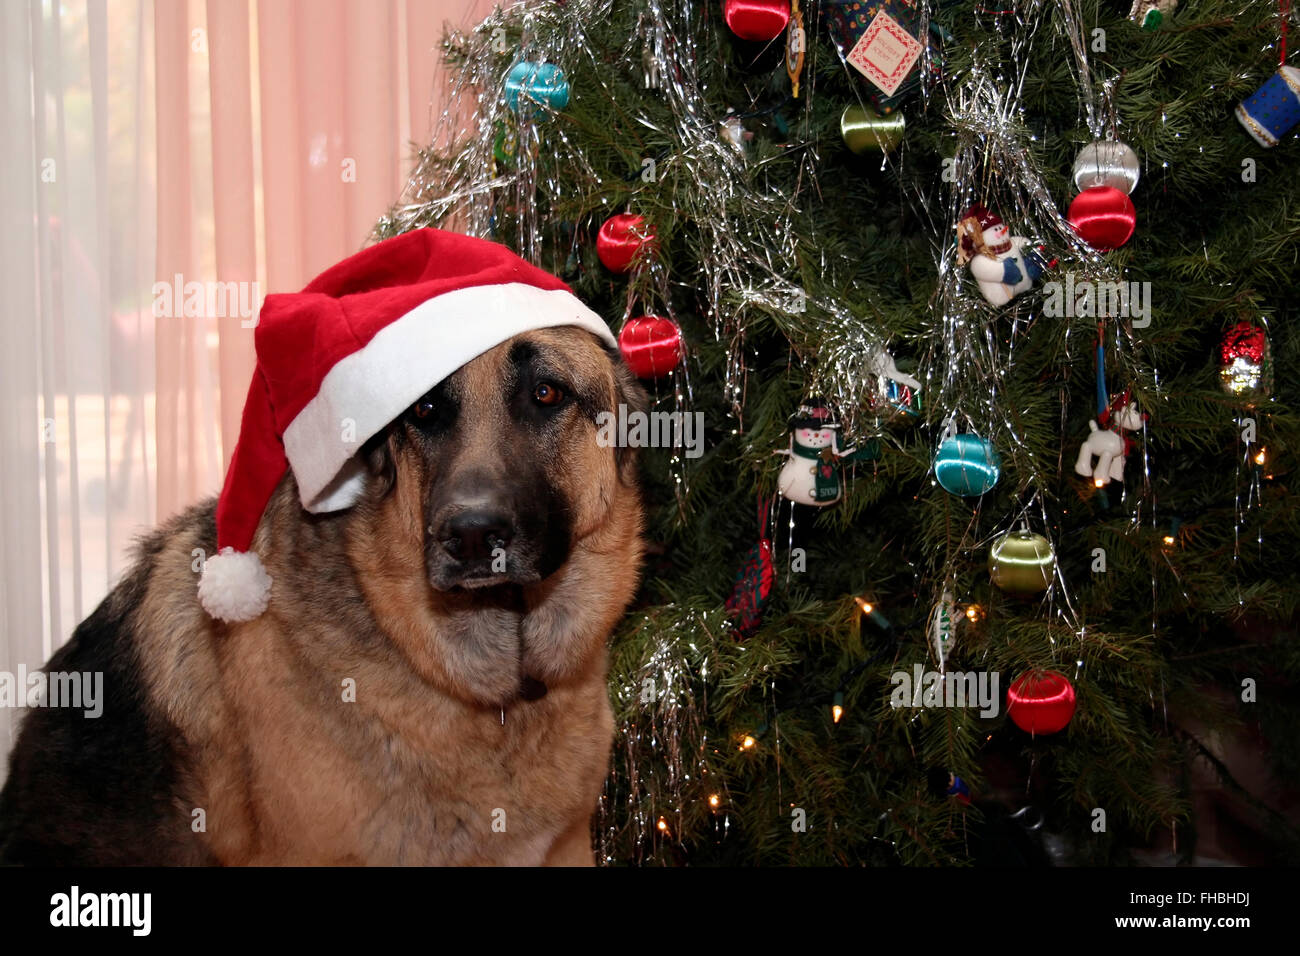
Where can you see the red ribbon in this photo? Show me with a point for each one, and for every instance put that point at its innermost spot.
(1284, 14)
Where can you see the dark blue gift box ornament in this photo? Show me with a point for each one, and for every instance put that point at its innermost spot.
(967, 465)
(1270, 112)
(540, 83)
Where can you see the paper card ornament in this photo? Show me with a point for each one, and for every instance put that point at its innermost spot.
(888, 51)
(885, 53)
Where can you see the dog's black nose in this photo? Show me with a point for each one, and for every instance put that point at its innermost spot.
(475, 535)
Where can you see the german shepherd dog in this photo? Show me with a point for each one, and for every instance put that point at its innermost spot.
(428, 684)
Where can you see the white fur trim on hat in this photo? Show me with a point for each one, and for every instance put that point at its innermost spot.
(234, 586)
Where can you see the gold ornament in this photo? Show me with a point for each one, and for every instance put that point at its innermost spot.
(1022, 562)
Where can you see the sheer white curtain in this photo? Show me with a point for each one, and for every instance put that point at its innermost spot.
(76, 365)
(244, 141)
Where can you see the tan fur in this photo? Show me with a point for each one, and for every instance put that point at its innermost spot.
(437, 746)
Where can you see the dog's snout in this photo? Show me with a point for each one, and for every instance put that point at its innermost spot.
(489, 528)
(476, 535)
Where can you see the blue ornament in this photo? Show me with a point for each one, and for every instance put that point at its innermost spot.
(542, 83)
(967, 465)
(957, 787)
(1270, 112)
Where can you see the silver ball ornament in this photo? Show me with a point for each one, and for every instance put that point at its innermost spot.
(1107, 163)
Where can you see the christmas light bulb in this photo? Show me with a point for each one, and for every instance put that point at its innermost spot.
(869, 609)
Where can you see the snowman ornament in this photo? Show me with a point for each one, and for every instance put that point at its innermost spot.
(1003, 265)
(811, 476)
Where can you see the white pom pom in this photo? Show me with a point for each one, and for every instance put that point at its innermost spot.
(234, 586)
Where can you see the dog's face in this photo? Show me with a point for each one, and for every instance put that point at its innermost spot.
(502, 460)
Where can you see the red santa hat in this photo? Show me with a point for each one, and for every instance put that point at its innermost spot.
(983, 216)
(340, 360)
(972, 241)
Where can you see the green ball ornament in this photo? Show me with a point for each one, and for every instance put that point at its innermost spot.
(865, 131)
(1022, 562)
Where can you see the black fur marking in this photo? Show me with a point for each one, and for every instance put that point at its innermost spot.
(441, 419)
(377, 453)
(102, 791)
(629, 392)
(556, 535)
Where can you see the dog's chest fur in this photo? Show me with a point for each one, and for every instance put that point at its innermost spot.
(398, 775)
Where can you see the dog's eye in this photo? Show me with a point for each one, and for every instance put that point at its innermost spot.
(423, 408)
(547, 393)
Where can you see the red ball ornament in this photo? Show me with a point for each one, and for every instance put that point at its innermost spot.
(620, 239)
(1103, 217)
(1245, 340)
(651, 346)
(1246, 362)
(1040, 702)
(759, 20)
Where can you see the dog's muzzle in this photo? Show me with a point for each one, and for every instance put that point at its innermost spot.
(484, 531)
(480, 547)
(477, 535)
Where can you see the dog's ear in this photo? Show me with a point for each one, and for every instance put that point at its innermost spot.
(628, 392)
(380, 456)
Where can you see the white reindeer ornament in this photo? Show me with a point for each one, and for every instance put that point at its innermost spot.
(882, 364)
(1108, 442)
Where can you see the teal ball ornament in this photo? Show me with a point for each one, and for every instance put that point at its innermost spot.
(536, 83)
(967, 465)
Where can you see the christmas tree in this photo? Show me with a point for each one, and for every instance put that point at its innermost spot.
(959, 431)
